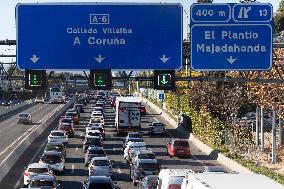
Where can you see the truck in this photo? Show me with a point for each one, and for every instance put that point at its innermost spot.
(225, 181)
(127, 114)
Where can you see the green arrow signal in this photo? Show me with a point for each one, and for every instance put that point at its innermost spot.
(164, 81)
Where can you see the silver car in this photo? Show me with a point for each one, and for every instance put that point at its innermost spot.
(157, 128)
(44, 181)
(25, 118)
(100, 166)
(36, 169)
(55, 160)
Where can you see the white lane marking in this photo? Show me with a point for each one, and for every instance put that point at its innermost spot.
(81, 134)
(73, 171)
(29, 133)
(119, 170)
(32, 160)
(76, 148)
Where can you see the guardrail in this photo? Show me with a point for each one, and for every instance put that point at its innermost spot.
(15, 108)
(12, 158)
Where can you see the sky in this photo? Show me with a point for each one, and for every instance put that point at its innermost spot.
(7, 15)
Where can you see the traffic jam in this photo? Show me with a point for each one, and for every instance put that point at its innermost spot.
(128, 112)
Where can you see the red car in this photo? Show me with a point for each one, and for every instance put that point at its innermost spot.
(178, 147)
(74, 116)
(66, 124)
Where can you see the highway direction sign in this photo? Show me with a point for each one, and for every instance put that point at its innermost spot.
(226, 37)
(161, 96)
(99, 36)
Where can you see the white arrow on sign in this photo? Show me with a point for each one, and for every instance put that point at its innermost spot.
(231, 60)
(99, 59)
(164, 58)
(34, 59)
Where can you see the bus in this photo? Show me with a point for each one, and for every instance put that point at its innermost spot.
(57, 95)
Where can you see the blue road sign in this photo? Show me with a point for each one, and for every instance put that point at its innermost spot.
(99, 36)
(227, 37)
(161, 96)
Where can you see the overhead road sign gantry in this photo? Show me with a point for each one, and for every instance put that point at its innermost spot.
(99, 36)
(228, 37)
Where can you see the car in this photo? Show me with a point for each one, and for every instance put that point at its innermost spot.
(35, 169)
(98, 109)
(74, 110)
(96, 114)
(157, 128)
(92, 152)
(82, 101)
(58, 136)
(80, 107)
(74, 115)
(44, 181)
(92, 141)
(149, 182)
(95, 127)
(143, 167)
(55, 147)
(98, 182)
(131, 147)
(178, 147)
(6, 103)
(100, 166)
(66, 124)
(39, 100)
(131, 140)
(55, 160)
(143, 154)
(25, 118)
(143, 110)
(97, 120)
(96, 133)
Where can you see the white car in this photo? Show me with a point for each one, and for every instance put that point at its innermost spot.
(131, 145)
(100, 166)
(39, 100)
(58, 136)
(25, 118)
(55, 160)
(93, 126)
(97, 108)
(36, 169)
(96, 120)
(95, 133)
(96, 113)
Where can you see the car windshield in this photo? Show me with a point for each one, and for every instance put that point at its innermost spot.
(181, 143)
(152, 181)
(134, 135)
(38, 170)
(101, 163)
(136, 140)
(54, 147)
(51, 158)
(72, 114)
(57, 134)
(94, 134)
(42, 183)
(66, 121)
(149, 166)
(92, 151)
(95, 121)
(24, 115)
(158, 124)
(146, 156)
(93, 140)
(100, 186)
(65, 127)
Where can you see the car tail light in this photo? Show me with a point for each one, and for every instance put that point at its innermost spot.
(27, 174)
(174, 186)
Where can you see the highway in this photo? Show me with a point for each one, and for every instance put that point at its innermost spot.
(76, 171)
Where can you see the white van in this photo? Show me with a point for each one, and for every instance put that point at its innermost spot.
(172, 178)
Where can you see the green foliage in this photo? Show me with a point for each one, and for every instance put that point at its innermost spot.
(279, 18)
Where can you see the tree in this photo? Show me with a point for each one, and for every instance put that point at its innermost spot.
(204, 1)
(279, 18)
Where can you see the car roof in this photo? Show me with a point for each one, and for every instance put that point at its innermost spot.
(147, 160)
(179, 139)
(92, 137)
(57, 131)
(95, 148)
(24, 113)
(130, 143)
(100, 179)
(43, 177)
(38, 165)
(100, 158)
(146, 151)
(54, 143)
(51, 153)
(93, 131)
